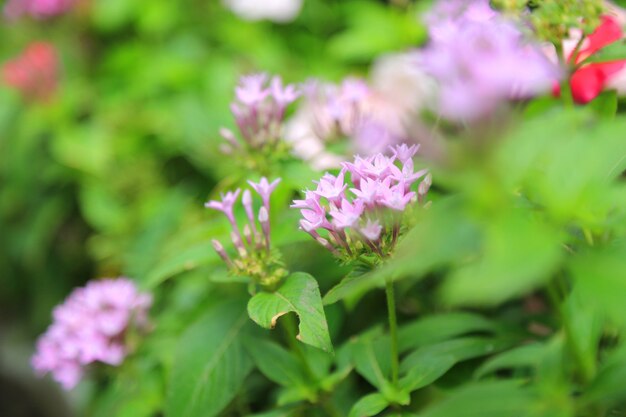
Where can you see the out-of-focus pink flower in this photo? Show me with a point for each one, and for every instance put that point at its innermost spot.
(259, 111)
(38, 9)
(372, 116)
(35, 72)
(90, 327)
(480, 59)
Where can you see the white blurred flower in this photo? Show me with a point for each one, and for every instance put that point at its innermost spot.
(274, 10)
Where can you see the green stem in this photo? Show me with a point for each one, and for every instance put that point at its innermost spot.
(289, 326)
(393, 329)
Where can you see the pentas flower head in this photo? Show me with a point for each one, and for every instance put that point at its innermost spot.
(259, 111)
(480, 59)
(363, 216)
(35, 72)
(90, 326)
(254, 257)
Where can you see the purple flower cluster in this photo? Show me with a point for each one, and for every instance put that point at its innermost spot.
(39, 9)
(90, 326)
(479, 59)
(367, 215)
(251, 240)
(259, 111)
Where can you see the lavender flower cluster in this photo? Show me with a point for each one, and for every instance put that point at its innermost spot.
(259, 111)
(370, 218)
(90, 326)
(480, 59)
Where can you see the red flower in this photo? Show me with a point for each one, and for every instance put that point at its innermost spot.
(590, 80)
(35, 72)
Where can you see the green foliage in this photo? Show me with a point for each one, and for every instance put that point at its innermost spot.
(211, 362)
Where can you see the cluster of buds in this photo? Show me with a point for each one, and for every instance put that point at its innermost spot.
(35, 72)
(367, 222)
(259, 111)
(91, 326)
(253, 246)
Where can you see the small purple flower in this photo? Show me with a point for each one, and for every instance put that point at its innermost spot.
(407, 175)
(348, 215)
(377, 166)
(251, 89)
(404, 153)
(265, 189)
(89, 327)
(226, 205)
(371, 230)
(283, 95)
(396, 198)
(331, 187)
(370, 190)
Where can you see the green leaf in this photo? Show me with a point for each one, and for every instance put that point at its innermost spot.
(370, 405)
(493, 399)
(180, 262)
(439, 327)
(211, 363)
(599, 280)
(457, 350)
(281, 366)
(608, 387)
(605, 104)
(518, 255)
(299, 294)
(371, 360)
(522, 356)
(426, 371)
(613, 52)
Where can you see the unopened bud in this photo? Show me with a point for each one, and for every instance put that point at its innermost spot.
(238, 244)
(229, 137)
(264, 219)
(219, 248)
(263, 215)
(247, 233)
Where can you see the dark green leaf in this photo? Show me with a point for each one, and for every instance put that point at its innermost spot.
(211, 363)
(370, 405)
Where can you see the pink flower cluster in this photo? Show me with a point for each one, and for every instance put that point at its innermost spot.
(35, 72)
(480, 59)
(368, 214)
(90, 326)
(252, 240)
(39, 9)
(259, 111)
